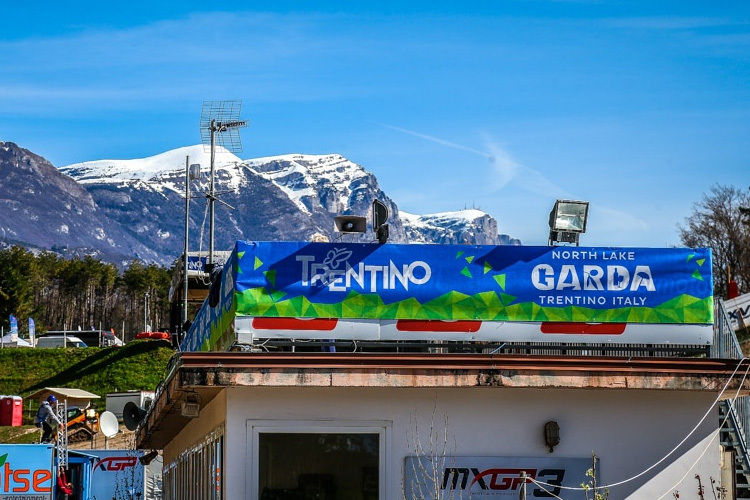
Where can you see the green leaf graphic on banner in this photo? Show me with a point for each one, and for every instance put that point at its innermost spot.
(270, 276)
(237, 266)
(454, 305)
(507, 299)
(2, 459)
(465, 271)
(700, 261)
(487, 267)
(500, 279)
(690, 257)
(469, 258)
(257, 264)
(697, 275)
(459, 253)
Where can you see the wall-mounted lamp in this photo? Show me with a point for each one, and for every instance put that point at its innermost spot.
(567, 221)
(191, 407)
(551, 435)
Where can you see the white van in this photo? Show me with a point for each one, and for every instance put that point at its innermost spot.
(60, 341)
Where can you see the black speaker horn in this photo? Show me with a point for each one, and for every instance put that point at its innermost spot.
(350, 224)
(132, 415)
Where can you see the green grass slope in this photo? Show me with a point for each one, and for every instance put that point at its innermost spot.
(139, 365)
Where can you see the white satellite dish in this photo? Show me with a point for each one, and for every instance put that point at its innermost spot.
(108, 424)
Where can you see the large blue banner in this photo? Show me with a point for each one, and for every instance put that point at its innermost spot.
(458, 282)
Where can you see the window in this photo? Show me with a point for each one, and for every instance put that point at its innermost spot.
(294, 461)
(197, 473)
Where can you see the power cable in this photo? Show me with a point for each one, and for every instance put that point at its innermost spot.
(711, 407)
(710, 442)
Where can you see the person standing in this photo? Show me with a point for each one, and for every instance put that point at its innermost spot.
(44, 415)
(64, 488)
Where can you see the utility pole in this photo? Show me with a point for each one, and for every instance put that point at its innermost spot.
(145, 312)
(185, 254)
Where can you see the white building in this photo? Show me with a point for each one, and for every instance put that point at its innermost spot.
(261, 417)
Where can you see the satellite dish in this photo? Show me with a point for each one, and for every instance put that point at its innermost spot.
(108, 424)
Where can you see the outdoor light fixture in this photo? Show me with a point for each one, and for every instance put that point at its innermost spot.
(567, 221)
(191, 407)
(551, 435)
(379, 218)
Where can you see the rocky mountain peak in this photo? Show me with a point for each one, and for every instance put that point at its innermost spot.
(124, 209)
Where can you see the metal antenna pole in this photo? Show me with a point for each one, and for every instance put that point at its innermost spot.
(211, 196)
(222, 117)
(187, 228)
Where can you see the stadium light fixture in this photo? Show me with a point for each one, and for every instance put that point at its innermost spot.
(567, 221)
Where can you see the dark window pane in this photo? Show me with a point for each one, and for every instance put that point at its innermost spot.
(311, 466)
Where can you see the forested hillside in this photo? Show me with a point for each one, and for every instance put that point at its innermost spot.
(81, 292)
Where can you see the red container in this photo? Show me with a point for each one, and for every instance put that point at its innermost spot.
(11, 411)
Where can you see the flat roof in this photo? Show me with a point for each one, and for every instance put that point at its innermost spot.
(65, 392)
(208, 373)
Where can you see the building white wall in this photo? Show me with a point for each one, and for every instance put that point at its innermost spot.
(629, 430)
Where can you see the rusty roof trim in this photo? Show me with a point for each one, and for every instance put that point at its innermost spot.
(208, 373)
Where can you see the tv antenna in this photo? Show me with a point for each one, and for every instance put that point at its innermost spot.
(222, 118)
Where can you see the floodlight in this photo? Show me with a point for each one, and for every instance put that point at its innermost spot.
(194, 171)
(567, 221)
(379, 218)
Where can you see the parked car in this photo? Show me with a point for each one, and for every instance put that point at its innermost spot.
(60, 341)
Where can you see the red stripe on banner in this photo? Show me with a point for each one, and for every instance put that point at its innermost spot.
(318, 324)
(584, 328)
(437, 325)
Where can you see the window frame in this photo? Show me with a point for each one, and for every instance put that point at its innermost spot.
(382, 428)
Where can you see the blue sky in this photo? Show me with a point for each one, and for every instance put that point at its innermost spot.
(637, 107)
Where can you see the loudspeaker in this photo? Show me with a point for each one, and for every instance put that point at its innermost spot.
(148, 457)
(350, 224)
(132, 415)
(379, 214)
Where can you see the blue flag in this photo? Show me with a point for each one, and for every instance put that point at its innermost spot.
(13, 328)
(32, 330)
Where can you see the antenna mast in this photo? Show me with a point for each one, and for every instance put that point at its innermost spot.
(222, 118)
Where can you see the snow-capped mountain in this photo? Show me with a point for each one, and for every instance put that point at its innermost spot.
(468, 226)
(44, 209)
(137, 206)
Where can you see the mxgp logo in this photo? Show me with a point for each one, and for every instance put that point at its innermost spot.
(338, 275)
(502, 479)
(116, 463)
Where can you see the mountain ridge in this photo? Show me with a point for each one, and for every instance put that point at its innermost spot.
(140, 204)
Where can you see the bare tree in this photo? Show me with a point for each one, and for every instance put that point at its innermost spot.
(431, 461)
(718, 223)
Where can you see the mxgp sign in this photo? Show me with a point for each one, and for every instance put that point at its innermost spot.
(459, 478)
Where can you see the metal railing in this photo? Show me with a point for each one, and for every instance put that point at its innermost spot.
(727, 346)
